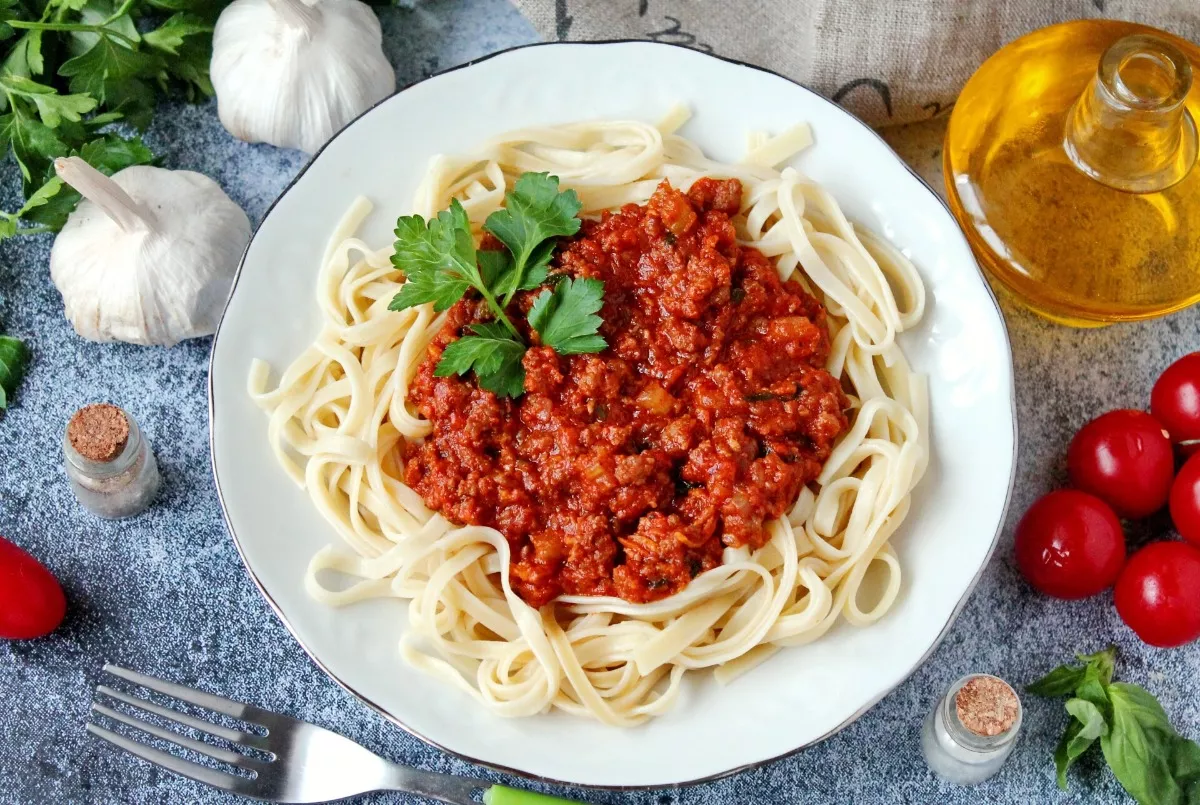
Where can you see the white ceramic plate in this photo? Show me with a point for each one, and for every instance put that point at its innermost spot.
(800, 696)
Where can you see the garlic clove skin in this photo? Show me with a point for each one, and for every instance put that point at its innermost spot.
(154, 274)
(292, 74)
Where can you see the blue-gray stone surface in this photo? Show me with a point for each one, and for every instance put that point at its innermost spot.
(166, 593)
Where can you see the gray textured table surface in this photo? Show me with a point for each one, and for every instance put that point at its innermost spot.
(166, 593)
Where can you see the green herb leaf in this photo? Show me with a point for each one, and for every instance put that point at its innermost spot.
(1140, 746)
(440, 263)
(1062, 681)
(565, 317)
(25, 58)
(493, 264)
(1104, 662)
(1066, 679)
(102, 15)
(108, 71)
(492, 353)
(51, 106)
(1155, 764)
(1093, 688)
(209, 9)
(14, 356)
(1089, 724)
(68, 59)
(52, 203)
(438, 259)
(109, 153)
(33, 143)
(170, 35)
(534, 212)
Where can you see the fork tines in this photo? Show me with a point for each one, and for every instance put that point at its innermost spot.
(208, 701)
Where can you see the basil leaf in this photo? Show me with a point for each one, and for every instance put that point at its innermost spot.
(1141, 745)
(1062, 681)
(1185, 765)
(1089, 724)
(1104, 661)
(1093, 687)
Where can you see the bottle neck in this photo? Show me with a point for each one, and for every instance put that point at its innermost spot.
(1130, 129)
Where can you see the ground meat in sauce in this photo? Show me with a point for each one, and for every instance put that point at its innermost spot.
(627, 472)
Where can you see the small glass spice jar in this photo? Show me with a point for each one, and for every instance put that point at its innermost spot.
(112, 469)
(972, 730)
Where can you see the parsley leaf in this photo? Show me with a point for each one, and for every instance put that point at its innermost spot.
(170, 35)
(14, 356)
(493, 354)
(33, 143)
(565, 317)
(440, 263)
(102, 69)
(51, 106)
(51, 203)
(438, 259)
(71, 67)
(534, 213)
(25, 58)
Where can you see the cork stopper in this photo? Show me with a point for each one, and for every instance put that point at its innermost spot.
(987, 706)
(98, 432)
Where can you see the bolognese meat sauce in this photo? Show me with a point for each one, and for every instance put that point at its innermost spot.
(628, 471)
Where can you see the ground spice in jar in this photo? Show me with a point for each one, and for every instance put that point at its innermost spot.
(98, 432)
(112, 469)
(986, 706)
(972, 729)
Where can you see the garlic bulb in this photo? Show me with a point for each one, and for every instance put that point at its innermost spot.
(292, 74)
(148, 256)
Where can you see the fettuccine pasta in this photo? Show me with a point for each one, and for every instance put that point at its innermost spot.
(339, 413)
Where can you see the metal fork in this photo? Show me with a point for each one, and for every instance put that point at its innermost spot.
(303, 762)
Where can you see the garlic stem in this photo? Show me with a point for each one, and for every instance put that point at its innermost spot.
(105, 194)
(299, 15)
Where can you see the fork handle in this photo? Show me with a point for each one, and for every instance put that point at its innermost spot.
(503, 795)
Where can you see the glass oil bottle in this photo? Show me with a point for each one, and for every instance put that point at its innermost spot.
(1070, 164)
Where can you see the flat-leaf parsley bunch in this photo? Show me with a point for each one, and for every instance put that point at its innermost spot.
(441, 263)
(73, 67)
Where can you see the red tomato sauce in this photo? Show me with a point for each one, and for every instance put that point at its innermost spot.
(627, 472)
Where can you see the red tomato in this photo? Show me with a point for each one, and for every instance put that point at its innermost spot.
(1175, 401)
(1125, 459)
(1158, 593)
(31, 600)
(1185, 500)
(1070, 545)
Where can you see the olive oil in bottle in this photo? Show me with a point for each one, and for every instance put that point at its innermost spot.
(1070, 164)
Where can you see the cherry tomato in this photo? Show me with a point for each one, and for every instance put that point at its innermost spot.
(31, 600)
(1175, 402)
(1185, 500)
(1070, 545)
(1158, 593)
(1125, 459)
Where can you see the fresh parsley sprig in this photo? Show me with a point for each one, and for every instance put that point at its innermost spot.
(535, 213)
(440, 264)
(71, 68)
(566, 319)
(1153, 762)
